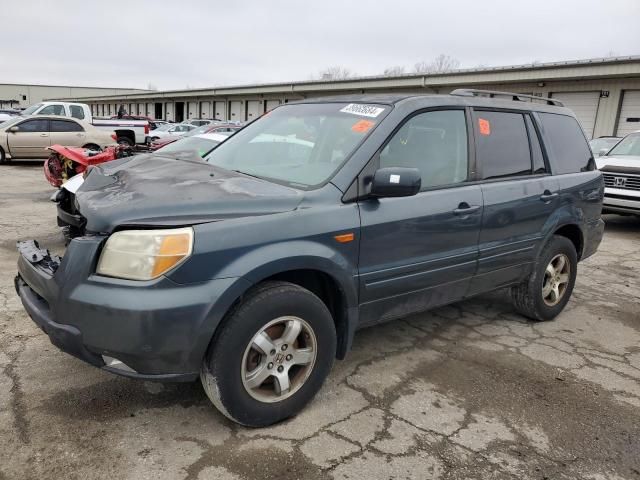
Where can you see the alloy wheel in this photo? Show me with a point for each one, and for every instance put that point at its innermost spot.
(279, 359)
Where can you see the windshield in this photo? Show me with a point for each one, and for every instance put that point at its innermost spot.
(191, 144)
(198, 131)
(32, 108)
(300, 145)
(629, 145)
(598, 144)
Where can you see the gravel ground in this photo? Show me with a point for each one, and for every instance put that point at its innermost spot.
(467, 391)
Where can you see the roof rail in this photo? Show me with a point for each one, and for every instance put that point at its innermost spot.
(518, 97)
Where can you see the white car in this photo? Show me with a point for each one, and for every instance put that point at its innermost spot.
(171, 129)
(621, 171)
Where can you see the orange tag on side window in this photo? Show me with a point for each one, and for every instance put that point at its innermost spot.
(485, 126)
(362, 126)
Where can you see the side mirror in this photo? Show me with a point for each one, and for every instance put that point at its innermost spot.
(396, 182)
(14, 129)
(603, 152)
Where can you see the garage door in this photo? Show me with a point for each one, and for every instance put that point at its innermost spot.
(205, 109)
(254, 108)
(271, 104)
(629, 120)
(584, 105)
(235, 111)
(220, 111)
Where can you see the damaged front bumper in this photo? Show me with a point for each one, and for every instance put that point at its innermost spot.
(156, 330)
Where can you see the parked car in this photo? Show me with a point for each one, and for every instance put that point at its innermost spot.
(601, 145)
(214, 128)
(29, 137)
(254, 270)
(621, 170)
(170, 129)
(129, 132)
(198, 122)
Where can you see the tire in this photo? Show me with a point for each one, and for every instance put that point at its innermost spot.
(92, 146)
(125, 141)
(232, 358)
(3, 157)
(529, 297)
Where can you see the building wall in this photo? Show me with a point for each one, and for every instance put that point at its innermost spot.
(21, 96)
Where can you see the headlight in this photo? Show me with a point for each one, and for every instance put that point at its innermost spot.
(145, 254)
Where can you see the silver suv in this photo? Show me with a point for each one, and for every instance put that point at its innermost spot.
(621, 171)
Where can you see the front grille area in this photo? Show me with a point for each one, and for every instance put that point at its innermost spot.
(618, 180)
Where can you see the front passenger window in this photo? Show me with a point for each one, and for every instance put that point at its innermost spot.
(433, 142)
(52, 110)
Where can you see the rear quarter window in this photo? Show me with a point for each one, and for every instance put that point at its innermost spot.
(568, 148)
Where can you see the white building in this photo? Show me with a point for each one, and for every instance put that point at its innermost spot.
(603, 92)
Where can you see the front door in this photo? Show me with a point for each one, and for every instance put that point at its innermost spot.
(419, 252)
(519, 196)
(31, 139)
(67, 133)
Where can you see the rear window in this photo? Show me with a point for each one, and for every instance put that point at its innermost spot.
(502, 144)
(65, 126)
(568, 147)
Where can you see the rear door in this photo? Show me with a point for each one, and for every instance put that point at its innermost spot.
(519, 195)
(421, 251)
(31, 140)
(67, 133)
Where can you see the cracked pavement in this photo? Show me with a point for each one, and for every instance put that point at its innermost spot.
(471, 390)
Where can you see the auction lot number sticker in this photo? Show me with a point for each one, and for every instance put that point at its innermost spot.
(363, 110)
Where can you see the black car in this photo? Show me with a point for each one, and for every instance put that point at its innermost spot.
(254, 269)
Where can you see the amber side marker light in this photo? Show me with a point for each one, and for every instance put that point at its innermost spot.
(344, 238)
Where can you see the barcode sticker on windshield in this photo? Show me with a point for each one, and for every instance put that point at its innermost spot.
(363, 110)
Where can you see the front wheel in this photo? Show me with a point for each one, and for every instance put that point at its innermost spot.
(544, 295)
(271, 355)
(3, 157)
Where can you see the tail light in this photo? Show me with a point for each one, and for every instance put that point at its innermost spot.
(146, 129)
(114, 136)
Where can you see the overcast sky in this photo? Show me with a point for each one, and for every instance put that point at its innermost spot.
(174, 44)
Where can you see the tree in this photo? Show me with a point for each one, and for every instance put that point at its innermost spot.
(336, 73)
(441, 64)
(393, 71)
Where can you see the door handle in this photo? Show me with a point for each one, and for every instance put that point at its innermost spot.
(465, 209)
(547, 196)
(44, 134)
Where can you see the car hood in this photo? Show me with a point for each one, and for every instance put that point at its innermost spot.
(155, 189)
(619, 164)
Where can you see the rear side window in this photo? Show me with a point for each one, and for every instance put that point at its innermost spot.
(502, 144)
(65, 126)
(77, 112)
(569, 149)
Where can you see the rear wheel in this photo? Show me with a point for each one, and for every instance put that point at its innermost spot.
(125, 142)
(544, 295)
(3, 157)
(271, 355)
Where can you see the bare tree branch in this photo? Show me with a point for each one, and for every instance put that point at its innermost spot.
(393, 71)
(441, 64)
(336, 73)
